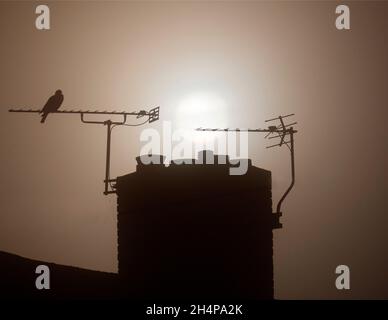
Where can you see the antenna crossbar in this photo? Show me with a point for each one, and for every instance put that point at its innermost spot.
(247, 130)
(122, 113)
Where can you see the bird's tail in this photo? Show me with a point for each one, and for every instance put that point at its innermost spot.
(44, 116)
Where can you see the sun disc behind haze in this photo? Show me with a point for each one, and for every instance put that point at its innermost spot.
(201, 109)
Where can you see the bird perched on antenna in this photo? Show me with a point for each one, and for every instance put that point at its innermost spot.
(52, 104)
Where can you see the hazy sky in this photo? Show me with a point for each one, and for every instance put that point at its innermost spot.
(261, 59)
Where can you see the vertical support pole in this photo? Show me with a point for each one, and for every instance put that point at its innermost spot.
(108, 123)
(292, 157)
(278, 208)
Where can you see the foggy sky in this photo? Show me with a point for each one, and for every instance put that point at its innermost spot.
(264, 59)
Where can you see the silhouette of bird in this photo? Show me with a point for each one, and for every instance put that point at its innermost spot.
(52, 104)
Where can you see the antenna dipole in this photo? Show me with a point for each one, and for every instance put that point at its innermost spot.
(282, 131)
(152, 115)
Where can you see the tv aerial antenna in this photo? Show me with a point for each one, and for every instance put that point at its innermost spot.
(284, 132)
(151, 116)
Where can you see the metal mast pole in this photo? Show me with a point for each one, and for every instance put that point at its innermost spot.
(278, 208)
(108, 124)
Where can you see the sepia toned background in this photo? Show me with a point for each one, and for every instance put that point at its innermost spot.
(255, 60)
